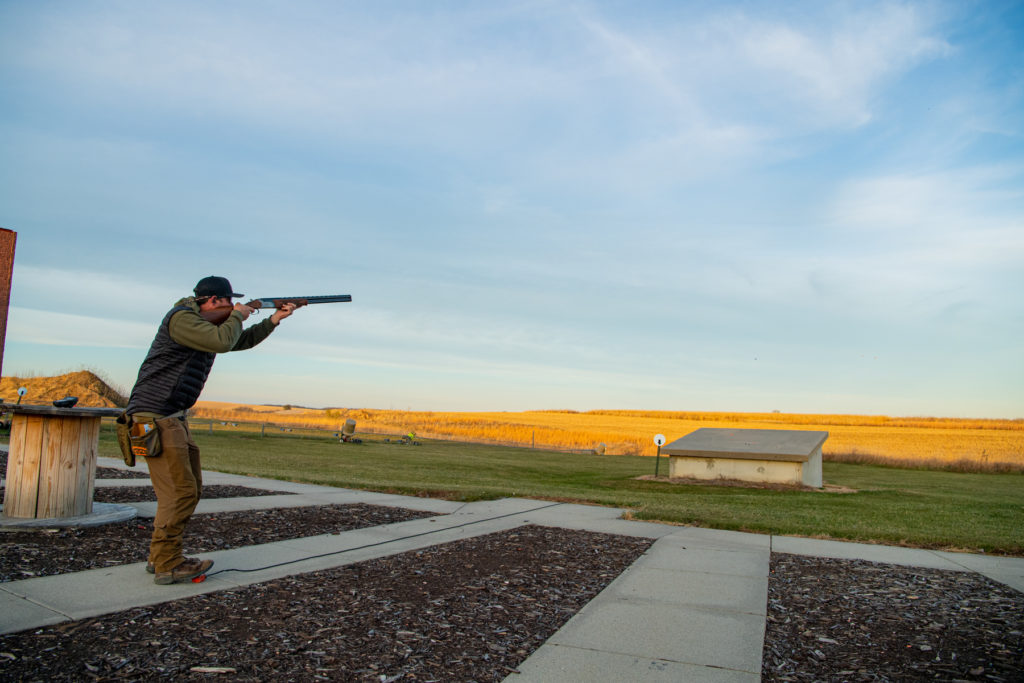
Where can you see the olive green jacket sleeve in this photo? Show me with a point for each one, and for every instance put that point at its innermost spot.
(190, 329)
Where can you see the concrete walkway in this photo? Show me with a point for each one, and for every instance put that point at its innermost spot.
(692, 608)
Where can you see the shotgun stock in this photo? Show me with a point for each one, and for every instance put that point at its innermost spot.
(220, 314)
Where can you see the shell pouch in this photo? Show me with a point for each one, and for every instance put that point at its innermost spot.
(144, 438)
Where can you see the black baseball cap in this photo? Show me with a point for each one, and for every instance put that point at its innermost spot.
(214, 285)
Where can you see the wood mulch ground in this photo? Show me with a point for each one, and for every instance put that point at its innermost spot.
(45, 552)
(145, 493)
(114, 473)
(853, 620)
(470, 610)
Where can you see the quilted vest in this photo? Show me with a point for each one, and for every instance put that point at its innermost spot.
(172, 376)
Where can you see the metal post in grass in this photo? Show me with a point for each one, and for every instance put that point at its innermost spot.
(659, 441)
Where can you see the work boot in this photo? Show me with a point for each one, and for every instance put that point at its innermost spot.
(150, 568)
(189, 569)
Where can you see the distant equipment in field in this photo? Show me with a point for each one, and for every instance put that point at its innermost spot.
(347, 431)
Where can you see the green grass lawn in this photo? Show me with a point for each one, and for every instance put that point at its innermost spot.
(922, 508)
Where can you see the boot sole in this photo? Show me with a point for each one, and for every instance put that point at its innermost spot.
(167, 578)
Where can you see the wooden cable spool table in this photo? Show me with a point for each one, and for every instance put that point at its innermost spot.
(51, 463)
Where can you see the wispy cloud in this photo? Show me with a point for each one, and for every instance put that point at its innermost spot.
(910, 245)
(31, 326)
(940, 203)
(939, 230)
(836, 67)
(92, 293)
(696, 73)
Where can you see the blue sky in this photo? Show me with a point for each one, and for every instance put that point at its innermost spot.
(806, 207)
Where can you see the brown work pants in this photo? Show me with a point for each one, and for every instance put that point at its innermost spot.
(178, 481)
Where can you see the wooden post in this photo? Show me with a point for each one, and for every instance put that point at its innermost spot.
(7, 240)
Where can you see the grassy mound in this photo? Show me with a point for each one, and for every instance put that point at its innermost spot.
(90, 389)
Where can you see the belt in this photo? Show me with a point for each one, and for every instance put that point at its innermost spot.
(181, 415)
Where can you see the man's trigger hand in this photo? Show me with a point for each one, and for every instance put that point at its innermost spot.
(244, 310)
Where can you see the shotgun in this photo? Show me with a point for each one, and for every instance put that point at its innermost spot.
(221, 313)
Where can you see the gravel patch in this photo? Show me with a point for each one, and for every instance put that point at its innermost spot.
(470, 610)
(853, 620)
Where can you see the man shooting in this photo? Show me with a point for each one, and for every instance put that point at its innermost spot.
(170, 380)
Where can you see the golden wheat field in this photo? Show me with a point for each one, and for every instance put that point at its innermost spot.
(968, 444)
(622, 432)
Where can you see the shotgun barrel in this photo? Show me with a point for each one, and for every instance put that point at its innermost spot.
(279, 301)
(220, 314)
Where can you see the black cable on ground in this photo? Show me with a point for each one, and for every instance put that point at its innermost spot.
(372, 545)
